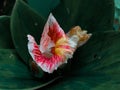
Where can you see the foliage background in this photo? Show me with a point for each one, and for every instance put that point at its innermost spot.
(95, 66)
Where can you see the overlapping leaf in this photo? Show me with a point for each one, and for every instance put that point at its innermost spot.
(14, 74)
(91, 15)
(43, 7)
(5, 34)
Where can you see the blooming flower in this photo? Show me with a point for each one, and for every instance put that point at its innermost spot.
(55, 47)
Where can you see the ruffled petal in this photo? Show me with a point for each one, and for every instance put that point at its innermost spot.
(78, 36)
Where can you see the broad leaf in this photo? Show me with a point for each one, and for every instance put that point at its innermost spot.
(25, 21)
(92, 15)
(5, 34)
(14, 74)
(95, 66)
(43, 7)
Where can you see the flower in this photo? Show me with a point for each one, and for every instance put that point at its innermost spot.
(55, 47)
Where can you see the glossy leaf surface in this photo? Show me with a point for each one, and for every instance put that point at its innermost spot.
(43, 7)
(91, 15)
(14, 74)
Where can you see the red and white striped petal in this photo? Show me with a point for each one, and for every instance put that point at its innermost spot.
(33, 48)
(51, 33)
(47, 64)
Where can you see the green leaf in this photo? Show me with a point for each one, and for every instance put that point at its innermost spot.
(95, 66)
(101, 53)
(5, 34)
(6, 6)
(25, 21)
(91, 15)
(43, 7)
(14, 74)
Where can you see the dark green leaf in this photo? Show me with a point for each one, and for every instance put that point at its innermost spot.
(95, 66)
(25, 21)
(43, 6)
(101, 53)
(5, 34)
(6, 6)
(14, 74)
(86, 82)
(92, 15)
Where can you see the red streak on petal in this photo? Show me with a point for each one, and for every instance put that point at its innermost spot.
(55, 32)
(51, 63)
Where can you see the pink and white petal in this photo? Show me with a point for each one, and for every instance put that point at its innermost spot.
(50, 64)
(45, 42)
(35, 53)
(46, 64)
(33, 48)
(51, 33)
